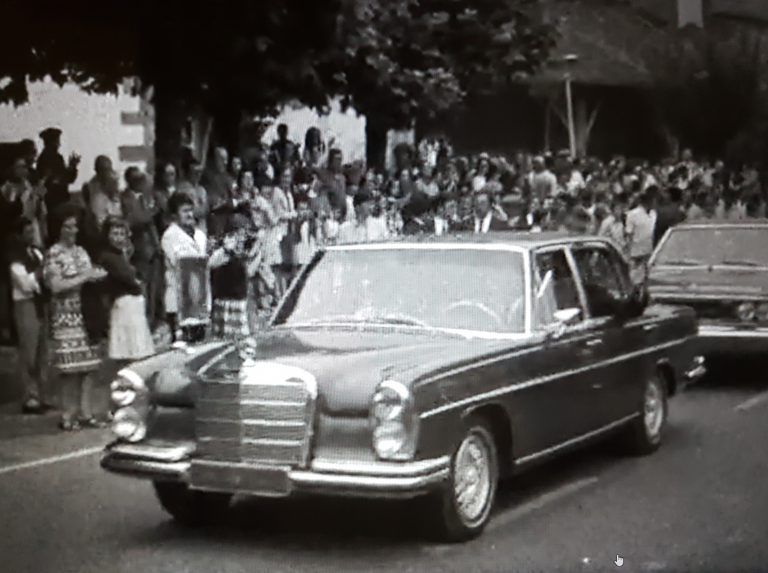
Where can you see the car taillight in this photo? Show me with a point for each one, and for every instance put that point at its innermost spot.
(746, 311)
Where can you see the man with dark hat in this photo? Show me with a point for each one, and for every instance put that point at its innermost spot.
(56, 175)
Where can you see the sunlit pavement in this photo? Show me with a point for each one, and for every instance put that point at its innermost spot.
(699, 504)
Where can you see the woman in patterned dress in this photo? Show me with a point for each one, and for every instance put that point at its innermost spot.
(66, 269)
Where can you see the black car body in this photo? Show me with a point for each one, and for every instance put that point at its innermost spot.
(407, 368)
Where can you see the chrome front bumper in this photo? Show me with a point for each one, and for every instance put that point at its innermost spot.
(323, 477)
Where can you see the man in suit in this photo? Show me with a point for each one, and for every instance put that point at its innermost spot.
(141, 210)
(55, 174)
(489, 217)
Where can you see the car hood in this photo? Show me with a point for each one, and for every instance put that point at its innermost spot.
(348, 363)
(703, 281)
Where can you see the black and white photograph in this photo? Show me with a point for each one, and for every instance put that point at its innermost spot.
(384, 285)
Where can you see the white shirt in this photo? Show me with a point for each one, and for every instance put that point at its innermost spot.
(640, 227)
(350, 215)
(614, 230)
(484, 225)
(430, 189)
(576, 182)
(441, 226)
(307, 244)
(25, 285)
(331, 229)
(377, 228)
(478, 182)
(543, 184)
(176, 245)
(373, 229)
(650, 181)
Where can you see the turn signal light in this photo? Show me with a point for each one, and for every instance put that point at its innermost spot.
(746, 311)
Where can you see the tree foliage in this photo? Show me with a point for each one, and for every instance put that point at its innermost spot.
(400, 59)
(709, 88)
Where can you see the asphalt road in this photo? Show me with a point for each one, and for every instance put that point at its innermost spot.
(698, 504)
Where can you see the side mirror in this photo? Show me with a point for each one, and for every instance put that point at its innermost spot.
(567, 316)
(563, 319)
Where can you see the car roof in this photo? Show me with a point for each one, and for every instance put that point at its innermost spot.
(521, 239)
(722, 223)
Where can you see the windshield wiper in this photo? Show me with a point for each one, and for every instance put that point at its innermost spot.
(682, 263)
(741, 263)
(399, 319)
(394, 318)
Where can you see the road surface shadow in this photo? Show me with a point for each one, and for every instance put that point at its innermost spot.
(320, 524)
(739, 373)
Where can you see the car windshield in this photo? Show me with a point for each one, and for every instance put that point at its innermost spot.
(462, 289)
(715, 246)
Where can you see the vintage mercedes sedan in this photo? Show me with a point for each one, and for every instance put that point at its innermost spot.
(429, 368)
(719, 268)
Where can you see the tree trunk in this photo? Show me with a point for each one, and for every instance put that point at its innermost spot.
(170, 117)
(226, 130)
(375, 141)
(585, 121)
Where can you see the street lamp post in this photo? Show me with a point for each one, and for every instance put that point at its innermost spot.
(570, 59)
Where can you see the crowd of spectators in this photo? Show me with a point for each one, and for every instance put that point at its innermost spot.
(99, 269)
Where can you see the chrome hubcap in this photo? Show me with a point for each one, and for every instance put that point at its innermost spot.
(472, 478)
(654, 409)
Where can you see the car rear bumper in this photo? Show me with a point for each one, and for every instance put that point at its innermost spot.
(323, 477)
(696, 370)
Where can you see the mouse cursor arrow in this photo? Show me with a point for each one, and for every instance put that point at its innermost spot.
(619, 561)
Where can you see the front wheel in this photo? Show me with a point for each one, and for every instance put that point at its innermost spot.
(645, 434)
(462, 507)
(190, 507)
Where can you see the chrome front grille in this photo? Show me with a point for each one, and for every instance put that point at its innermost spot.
(256, 421)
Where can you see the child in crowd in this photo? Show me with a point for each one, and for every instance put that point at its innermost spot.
(229, 286)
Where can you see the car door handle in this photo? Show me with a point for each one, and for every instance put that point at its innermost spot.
(593, 342)
(597, 386)
(650, 327)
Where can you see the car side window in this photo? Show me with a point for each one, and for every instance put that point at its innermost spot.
(561, 293)
(603, 277)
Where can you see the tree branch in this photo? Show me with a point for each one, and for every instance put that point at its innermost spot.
(559, 113)
(593, 116)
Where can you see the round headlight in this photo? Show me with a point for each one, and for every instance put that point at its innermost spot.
(746, 311)
(389, 401)
(761, 312)
(127, 424)
(394, 421)
(389, 438)
(126, 387)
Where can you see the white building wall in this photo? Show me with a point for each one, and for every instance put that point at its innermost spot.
(91, 124)
(690, 12)
(345, 129)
